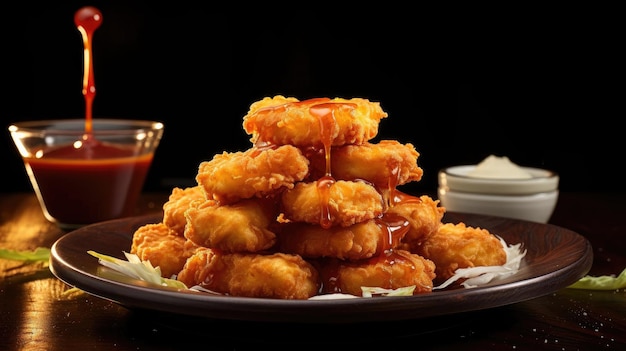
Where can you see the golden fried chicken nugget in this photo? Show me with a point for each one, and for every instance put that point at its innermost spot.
(358, 241)
(178, 202)
(278, 276)
(423, 213)
(162, 247)
(256, 172)
(456, 245)
(315, 122)
(242, 226)
(391, 270)
(341, 203)
(385, 164)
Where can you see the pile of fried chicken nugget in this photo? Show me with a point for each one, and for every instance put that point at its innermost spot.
(311, 208)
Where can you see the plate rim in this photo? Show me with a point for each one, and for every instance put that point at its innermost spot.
(70, 268)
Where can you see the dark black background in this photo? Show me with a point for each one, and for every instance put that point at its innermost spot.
(544, 87)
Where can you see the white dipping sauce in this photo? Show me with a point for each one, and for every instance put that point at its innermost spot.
(500, 168)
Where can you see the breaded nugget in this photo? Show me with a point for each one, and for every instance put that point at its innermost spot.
(343, 202)
(423, 213)
(315, 122)
(358, 241)
(455, 246)
(278, 276)
(392, 270)
(178, 202)
(242, 226)
(256, 172)
(162, 247)
(386, 164)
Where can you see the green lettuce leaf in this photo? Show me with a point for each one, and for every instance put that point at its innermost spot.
(603, 282)
(40, 254)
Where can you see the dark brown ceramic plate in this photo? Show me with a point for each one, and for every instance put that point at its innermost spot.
(555, 258)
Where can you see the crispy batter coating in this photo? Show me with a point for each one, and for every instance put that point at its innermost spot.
(162, 247)
(239, 227)
(456, 245)
(178, 202)
(315, 122)
(424, 215)
(359, 241)
(345, 203)
(229, 177)
(385, 164)
(311, 207)
(278, 276)
(392, 270)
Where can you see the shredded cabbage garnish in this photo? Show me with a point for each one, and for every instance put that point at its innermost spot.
(603, 282)
(135, 268)
(368, 291)
(336, 296)
(203, 289)
(476, 276)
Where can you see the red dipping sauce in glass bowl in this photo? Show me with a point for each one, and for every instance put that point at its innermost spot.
(82, 178)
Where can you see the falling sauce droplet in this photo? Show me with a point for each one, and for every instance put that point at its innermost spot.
(87, 20)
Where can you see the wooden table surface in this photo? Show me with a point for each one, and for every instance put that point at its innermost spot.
(37, 313)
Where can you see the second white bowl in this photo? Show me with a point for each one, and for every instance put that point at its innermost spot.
(534, 207)
(456, 179)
